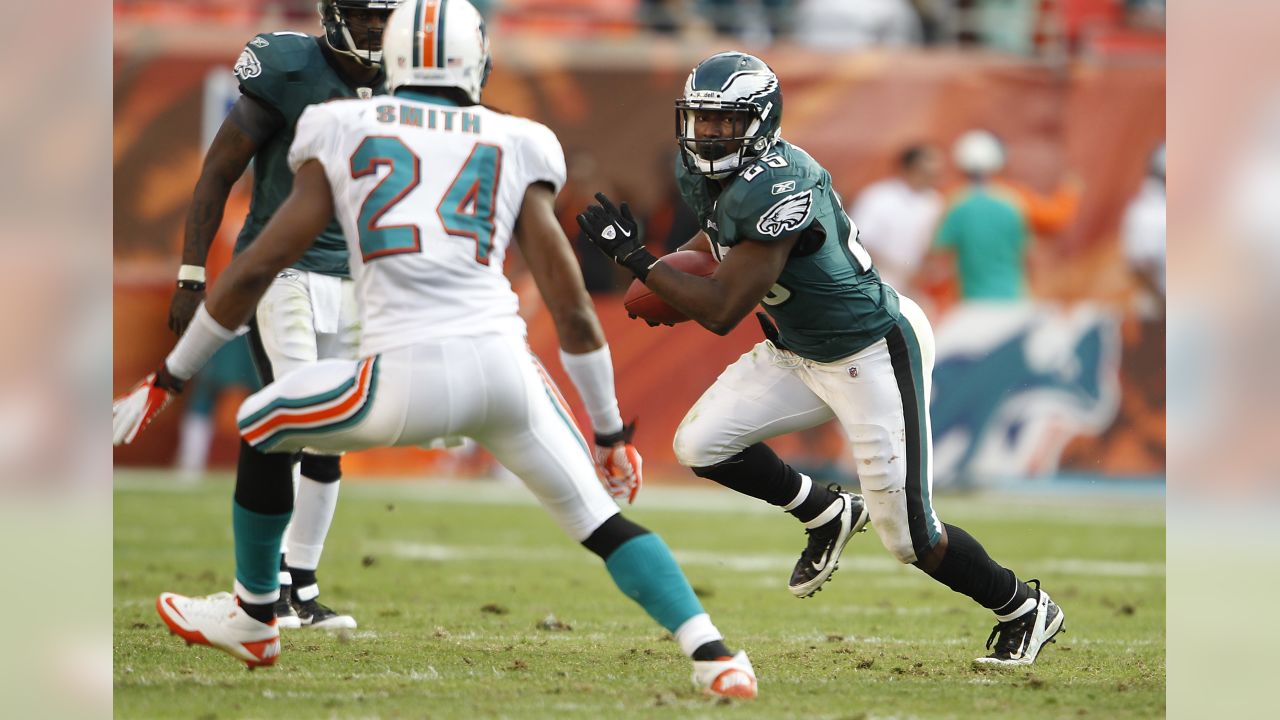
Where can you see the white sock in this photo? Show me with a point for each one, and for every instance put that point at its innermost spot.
(193, 443)
(313, 510)
(696, 632)
(256, 598)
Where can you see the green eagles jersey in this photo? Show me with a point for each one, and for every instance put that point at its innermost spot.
(287, 71)
(828, 302)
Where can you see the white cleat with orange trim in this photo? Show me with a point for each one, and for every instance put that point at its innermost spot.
(727, 677)
(219, 622)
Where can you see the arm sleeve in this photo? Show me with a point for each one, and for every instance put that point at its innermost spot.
(542, 158)
(769, 210)
(257, 69)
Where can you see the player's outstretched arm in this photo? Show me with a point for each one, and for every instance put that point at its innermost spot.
(231, 301)
(583, 350)
(246, 127)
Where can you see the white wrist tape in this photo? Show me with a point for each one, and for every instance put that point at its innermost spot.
(592, 374)
(191, 272)
(201, 340)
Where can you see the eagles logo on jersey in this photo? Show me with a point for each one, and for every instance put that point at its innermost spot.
(789, 213)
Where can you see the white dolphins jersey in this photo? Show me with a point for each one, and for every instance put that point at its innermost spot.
(427, 195)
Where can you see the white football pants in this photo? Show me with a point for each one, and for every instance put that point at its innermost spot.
(879, 395)
(305, 317)
(489, 388)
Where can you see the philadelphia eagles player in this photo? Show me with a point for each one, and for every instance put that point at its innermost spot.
(309, 312)
(845, 346)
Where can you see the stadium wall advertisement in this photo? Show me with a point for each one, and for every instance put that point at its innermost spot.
(1071, 383)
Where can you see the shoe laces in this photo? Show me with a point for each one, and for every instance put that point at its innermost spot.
(1011, 632)
(215, 605)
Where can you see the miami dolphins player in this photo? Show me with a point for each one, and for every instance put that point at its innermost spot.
(845, 345)
(309, 312)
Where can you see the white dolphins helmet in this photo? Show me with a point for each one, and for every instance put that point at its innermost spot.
(436, 43)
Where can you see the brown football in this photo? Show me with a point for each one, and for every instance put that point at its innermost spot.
(641, 302)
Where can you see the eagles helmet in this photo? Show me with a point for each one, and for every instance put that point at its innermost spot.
(338, 33)
(437, 43)
(734, 82)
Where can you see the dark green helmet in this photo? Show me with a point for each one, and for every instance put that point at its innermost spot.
(733, 82)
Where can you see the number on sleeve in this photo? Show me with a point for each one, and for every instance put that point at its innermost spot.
(381, 240)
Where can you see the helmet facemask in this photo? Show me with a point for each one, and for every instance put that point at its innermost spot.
(348, 31)
(717, 157)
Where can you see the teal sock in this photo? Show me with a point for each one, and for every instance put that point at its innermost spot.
(644, 571)
(258, 539)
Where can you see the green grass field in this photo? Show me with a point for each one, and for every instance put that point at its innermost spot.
(452, 583)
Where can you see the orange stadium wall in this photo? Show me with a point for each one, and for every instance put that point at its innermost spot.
(854, 113)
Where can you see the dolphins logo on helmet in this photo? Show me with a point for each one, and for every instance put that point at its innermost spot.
(734, 82)
(437, 43)
(337, 29)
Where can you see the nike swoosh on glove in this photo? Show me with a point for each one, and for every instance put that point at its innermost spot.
(133, 411)
(619, 464)
(616, 233)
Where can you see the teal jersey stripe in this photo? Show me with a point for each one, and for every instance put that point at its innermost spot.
(573, 429)
(297, 403)
(269, 442)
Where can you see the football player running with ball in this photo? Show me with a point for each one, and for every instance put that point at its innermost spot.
(429, 187)
(845, 346)
(309, 312)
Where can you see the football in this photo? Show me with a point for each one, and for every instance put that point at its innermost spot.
(641, 302)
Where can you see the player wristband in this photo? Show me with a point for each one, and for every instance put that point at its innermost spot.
(592, 374)
(640, 261)
(201, 340)
(191, 277)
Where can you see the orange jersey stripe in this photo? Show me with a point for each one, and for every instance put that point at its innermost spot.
(305, 416)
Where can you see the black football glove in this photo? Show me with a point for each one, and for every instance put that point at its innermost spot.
(617, 235)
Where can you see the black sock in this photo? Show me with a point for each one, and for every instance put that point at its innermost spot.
(760, 473)
(302, 578)
(713, 650)
(967, 569)
(261, 613)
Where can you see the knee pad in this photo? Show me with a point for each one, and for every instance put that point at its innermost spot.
(697, 446)
(897, 540)
(889, 518)
(322, 468)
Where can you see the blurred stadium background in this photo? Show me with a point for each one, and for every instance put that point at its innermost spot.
(1065, 384)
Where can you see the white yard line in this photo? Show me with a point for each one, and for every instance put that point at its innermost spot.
(741, 562)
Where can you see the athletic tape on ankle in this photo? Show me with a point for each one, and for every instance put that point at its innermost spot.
(696, 632)
(805, 486)
(310, 592)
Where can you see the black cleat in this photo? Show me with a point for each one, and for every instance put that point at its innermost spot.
(286, 618)
(821, 556)
(1019, 639)
(314, 614)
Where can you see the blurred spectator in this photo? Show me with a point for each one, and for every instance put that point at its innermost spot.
(844, 25)
(985, 228)
(599, 273)
(743, 18)
(1143, 236)
(896, 216)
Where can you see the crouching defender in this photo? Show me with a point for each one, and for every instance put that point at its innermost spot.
(429, 187)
